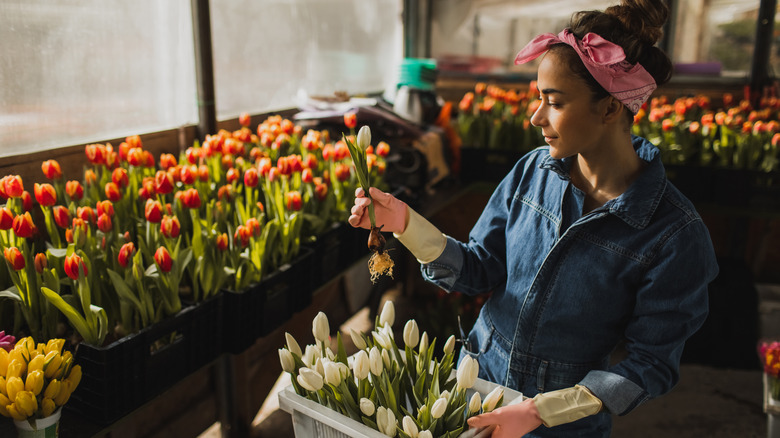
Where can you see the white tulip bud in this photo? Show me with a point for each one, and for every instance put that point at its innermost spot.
(310, 355)
(332, 373)
(387, 317)
(449, 346)
(286, 358)
(319, 366)
(320, 327)
(493, 399)
(357, 339)
(310, 380)
(410, 427)
(366, 407)
(439, 408)
(424, 343)
(411, 334)
(364, 137)
(361, 365)
(425, 434)
(292, 345)
(445, 395)
(386, 359)
(375, 360)
(475, 403)
(382, 339)
(385, 421)
(467, 372)
(329, 354)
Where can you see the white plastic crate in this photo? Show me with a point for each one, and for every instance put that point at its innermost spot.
(313, 420)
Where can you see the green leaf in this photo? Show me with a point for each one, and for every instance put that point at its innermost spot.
(123, 290)
(11, 293)
(78, 321)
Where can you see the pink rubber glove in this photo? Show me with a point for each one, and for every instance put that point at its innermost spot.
(388, 211)
(512, 421)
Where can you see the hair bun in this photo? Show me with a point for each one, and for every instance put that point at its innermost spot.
(644, 18)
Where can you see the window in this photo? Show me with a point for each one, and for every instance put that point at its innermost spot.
(77, 71)
(270, 54)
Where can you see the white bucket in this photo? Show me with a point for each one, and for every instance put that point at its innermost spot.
(44, 428)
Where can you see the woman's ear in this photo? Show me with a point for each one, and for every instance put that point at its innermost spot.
(613, 109)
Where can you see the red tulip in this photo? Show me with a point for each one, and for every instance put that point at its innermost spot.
(52, 169)
(112, 192)
(293, 200)
(350, 119)
(74, 190)
(126, 254)
(191, 198)
(153, 211)
(86, 213)
(163, 183)
(273, 174)
(134, 141)
(95, 153)
(310, 162)
(254, 226)
(342, 172)
(203, 173)
(251, 178)
(222, 242)
(242, 235)
(187, 174)
(106, 207)
(119, 177)
(12, 185)
(307, 176)
(23, 225)
(163, 259)
(321, 191)
(135, 156)
(45, 194)
(382, 149)
(170, 226)
(232, 175)
(14, 258)
(27, 202)
(73, 266)
(167, 161)
(104, 223)
(227, 161)
(244, 119)
(225, 193)
(61, 216)
(6, 218)
(193, 155)
(41, 262)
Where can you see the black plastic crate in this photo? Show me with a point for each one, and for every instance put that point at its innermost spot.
(207, 327)
(242, 317)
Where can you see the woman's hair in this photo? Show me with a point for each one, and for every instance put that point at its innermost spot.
(635, 25)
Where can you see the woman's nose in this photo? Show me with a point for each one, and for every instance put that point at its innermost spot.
(538, 119)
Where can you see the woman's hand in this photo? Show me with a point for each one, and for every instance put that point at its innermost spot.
(512, 421)
(389, 212)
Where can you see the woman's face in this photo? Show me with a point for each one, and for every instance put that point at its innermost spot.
(568, 117)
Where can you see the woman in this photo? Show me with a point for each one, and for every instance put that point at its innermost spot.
(585, 244)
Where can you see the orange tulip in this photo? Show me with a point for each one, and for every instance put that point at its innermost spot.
(73, 265)
(163, 259)
(14, 258)
(51, 168)
(23, 225)
(6, 218)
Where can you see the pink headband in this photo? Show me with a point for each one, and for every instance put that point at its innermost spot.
(605, 60)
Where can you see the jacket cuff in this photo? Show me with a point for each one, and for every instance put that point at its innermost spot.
(566, 405)
(618, 394)
(422, 238)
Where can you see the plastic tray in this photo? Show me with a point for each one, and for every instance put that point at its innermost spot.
(313, 420)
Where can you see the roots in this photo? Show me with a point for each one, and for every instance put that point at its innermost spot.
(380, 263)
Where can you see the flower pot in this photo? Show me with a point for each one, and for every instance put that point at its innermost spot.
(48, 427)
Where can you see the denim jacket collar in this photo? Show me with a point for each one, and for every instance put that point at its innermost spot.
(637, 204)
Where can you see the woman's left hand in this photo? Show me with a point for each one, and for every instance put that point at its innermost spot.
(511, 421)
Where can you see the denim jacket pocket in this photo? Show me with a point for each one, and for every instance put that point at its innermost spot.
(479, 339)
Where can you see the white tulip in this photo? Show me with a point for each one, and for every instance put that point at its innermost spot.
(366, 407)
(357, 339)
(329, 354)
(382, 339)
(445, 395)
(425, 434)
(449, 346)
(467, 372)
(386, 359)
(424, 343)
(310, 380)
(385, 421)
(310, 355)
(375, 360)
(364, 137)
(320, 327)
(411, 334)
(475, 403)
(387, 317)
(361, 365)
(319, 366)
(410, 427)
(492, 400)
(439, 408)
(332, 374)
(292, 345)
(286, 358)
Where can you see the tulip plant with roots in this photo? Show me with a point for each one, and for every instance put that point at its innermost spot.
(404, 392)
(380, 262)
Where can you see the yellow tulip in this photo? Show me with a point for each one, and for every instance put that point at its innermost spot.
(34, 382)
(4, 361)
(36, 364)
(2, 386)
(54, 345)
(74, 377)
(26, 403)
(64, 394)
(52, 389)
(47, 407)
(16, 368)
(51, 364)
(27, 343)
(3, 411)
(4, 401)
(14, 413)
(13, 386)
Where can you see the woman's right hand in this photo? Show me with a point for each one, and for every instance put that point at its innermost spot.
(390, 213)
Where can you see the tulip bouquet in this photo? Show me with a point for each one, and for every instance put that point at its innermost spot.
(404, 392)
(35, 380)
(769, 353)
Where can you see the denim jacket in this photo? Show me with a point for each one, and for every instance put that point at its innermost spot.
(567, 288)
